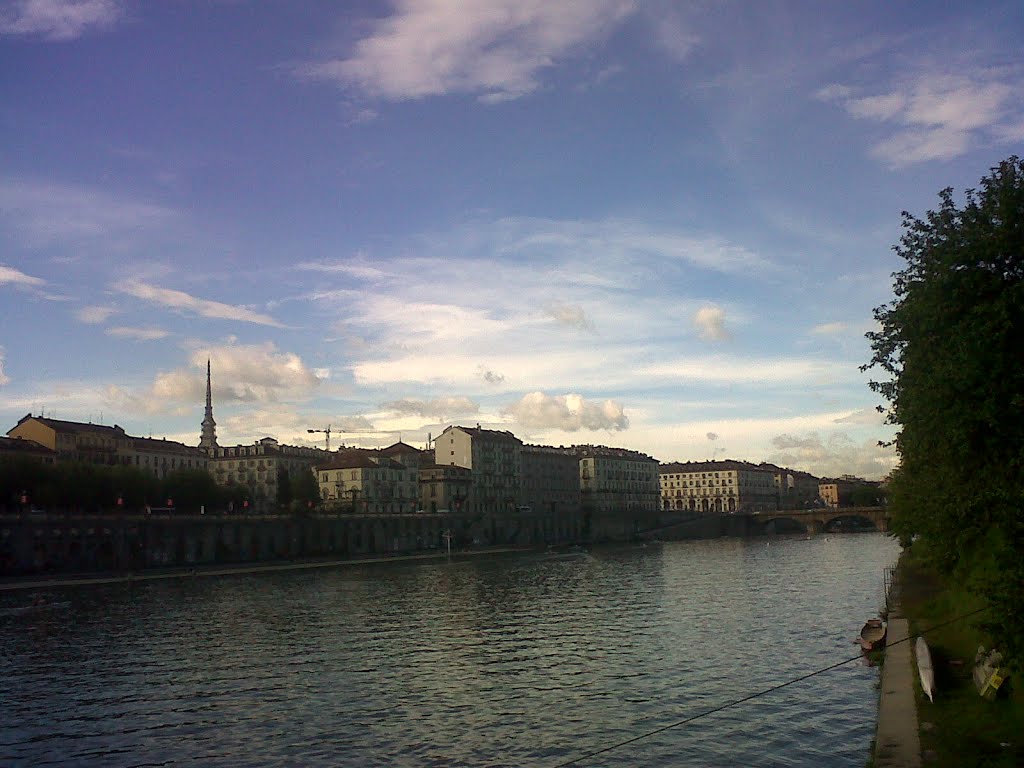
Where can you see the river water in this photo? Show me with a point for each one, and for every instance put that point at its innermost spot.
(514, 660)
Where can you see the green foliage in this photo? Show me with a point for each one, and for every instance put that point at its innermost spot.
(284, 487)
(952, 342)
(82, 487)
(305, 488)
(866, 496)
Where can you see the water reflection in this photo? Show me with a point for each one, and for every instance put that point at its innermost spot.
(517, 661)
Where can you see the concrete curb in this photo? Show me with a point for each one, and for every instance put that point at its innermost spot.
(897, 743)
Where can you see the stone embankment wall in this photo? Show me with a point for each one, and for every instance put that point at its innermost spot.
(37, 543)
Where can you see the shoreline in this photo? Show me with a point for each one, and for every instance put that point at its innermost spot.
(16, 583)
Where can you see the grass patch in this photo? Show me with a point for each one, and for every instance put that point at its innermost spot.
(960, 728)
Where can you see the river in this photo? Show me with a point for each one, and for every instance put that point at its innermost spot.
(513, 660)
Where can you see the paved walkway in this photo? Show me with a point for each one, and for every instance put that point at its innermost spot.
(897, 744)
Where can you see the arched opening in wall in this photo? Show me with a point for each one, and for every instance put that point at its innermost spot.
(732, 505)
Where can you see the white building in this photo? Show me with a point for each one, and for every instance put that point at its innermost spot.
(710, 487)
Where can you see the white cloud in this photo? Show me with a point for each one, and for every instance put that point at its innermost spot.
(737, 370)
(867, 416)
(572, 315)
(58, 20)
(936, 117)
(833, 455)
(710, 323)
(95, 315)
(829, 329)
(442, 407)
(570, 413)
(494, 48)
(139, 334)
(241, 374)
(12, 276)
(168, 297)
(4, 378)
(672, 34)
(47, 212)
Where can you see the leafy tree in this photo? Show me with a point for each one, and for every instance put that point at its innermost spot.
(284, 487)
(305, 488)
(952, 342)
(192, 489)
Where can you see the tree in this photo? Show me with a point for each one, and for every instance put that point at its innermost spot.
(952, 342)
(305, 488)
(284, 488)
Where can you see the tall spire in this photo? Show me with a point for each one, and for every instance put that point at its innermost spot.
(208, 437)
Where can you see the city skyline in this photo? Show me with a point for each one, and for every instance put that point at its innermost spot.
(640, 225)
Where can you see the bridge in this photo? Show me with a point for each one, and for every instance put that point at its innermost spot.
(817, 520)
(821, 519)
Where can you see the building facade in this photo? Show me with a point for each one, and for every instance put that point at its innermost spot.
(21, 448)
(550, 481)
(494, 460)
(110, 446)
(446, 488)
(717, 487)
(361, 482)
(256, 467)
(617, 479)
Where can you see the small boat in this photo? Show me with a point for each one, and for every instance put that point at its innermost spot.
(872, 635)
(924, 668)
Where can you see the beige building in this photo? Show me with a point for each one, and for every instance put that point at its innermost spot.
(365, 482)
(111, 446)
(257, 466)
(716, 487)
(494, 459)
(617, 479)
(550, 483)
(20, 448)
(446, 488)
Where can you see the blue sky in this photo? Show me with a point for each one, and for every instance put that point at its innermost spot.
(656, 225)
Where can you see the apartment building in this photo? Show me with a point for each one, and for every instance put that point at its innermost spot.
(716, 487)
(110, 446)
(364, 482)
(19, 448)
(494, 459)
(550, 481)
(617, 479)
(446, 488)
(257, 466)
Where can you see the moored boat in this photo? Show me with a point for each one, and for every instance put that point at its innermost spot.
(872, 635)
(924, 668)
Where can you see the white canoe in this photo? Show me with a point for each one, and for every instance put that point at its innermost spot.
(924, 668)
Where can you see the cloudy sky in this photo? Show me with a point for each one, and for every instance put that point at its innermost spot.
(657, 225)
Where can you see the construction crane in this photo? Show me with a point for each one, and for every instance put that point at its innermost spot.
(327, 432)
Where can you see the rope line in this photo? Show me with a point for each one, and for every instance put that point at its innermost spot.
(756, 695)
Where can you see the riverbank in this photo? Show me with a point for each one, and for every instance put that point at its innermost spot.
(201, 571)
(960, 728)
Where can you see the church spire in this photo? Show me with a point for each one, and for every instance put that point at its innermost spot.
(208, 437)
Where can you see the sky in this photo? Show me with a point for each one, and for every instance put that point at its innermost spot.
(655, 225)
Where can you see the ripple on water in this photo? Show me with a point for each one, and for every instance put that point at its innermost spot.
(514, 661)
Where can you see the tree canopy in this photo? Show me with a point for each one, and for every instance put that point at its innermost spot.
(952, 344)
